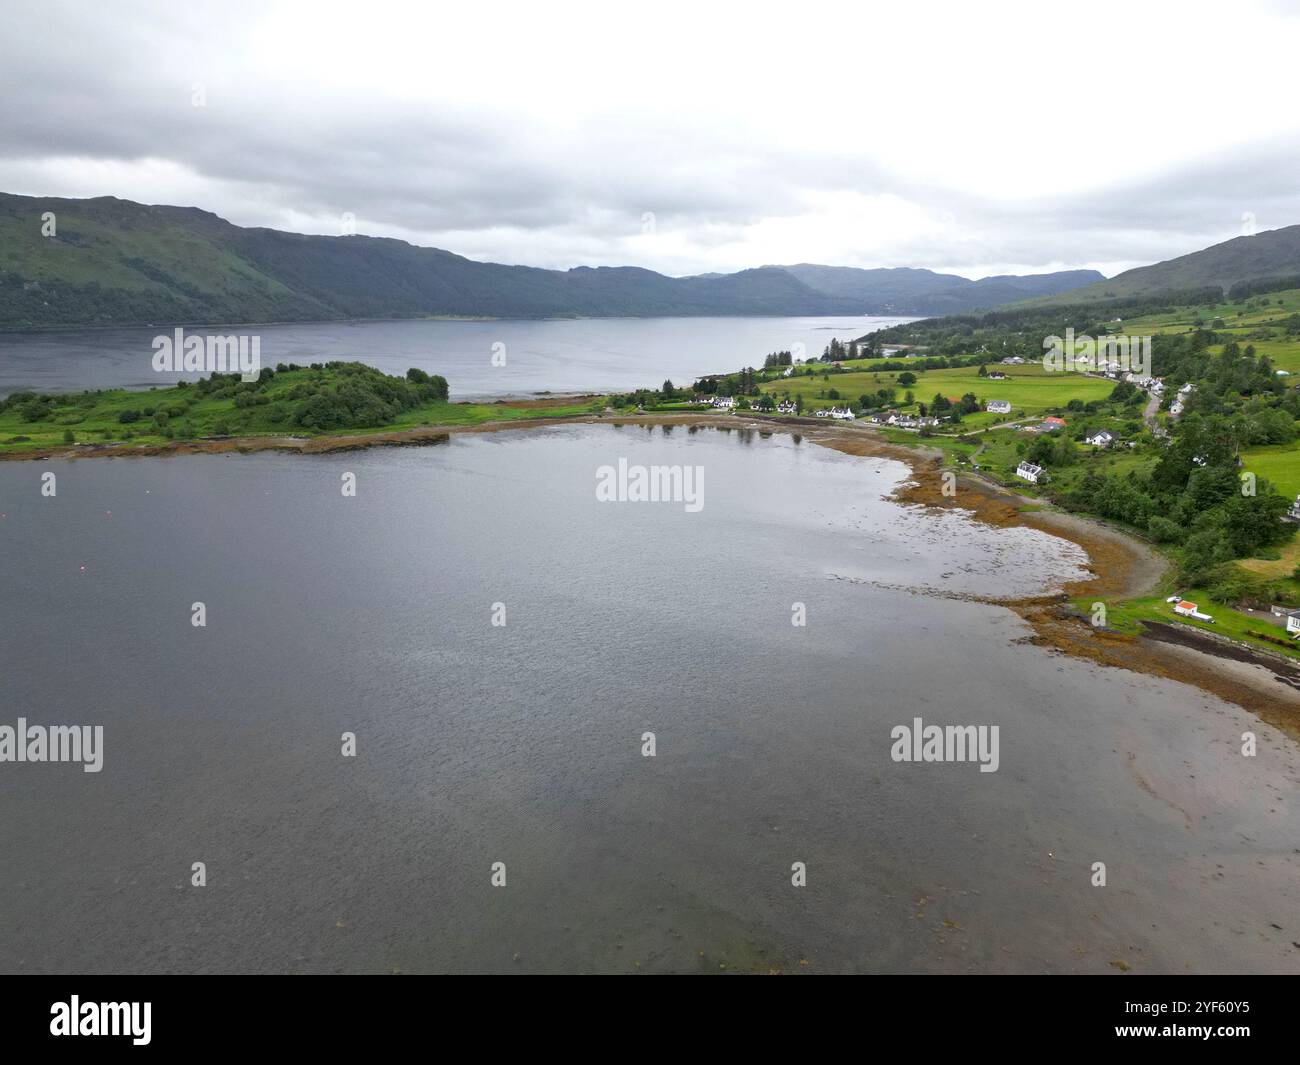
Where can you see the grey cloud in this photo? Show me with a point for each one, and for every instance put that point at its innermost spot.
(103, 84)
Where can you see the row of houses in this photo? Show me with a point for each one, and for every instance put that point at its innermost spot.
(1180, 401)
(904, 421)
(844, 414)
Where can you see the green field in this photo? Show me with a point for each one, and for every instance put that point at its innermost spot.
(1031, 389)
(1260, 320)
(1278, 463)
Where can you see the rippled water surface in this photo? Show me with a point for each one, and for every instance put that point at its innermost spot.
(603, 355)
(522, 744)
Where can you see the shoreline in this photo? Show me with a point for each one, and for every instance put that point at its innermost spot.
(1120, 565)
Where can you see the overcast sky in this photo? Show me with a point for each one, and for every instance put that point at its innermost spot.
(973, 137)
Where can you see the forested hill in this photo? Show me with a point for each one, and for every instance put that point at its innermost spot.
(114, 262)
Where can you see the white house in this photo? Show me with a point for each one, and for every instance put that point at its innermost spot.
(788, 407)
(1294, 512)
(844, 414)
(1176, 408)
(1188, 610)
(788, 371)
(1013, 360)
(1101, 438)
(1293, 623)
(997, 375)
(998, 406)
(724, 402)
(1187, 389)
(1027, 471)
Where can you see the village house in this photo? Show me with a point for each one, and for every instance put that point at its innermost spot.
(1101, 438)
(724, 402)
(1176, 408)
(999, 406)
(1188, 610)
(1293, 623)
(1027, 471)
(844, 414)
(997, 375)
(1051, 424)
(1294, 512)
(788, 407)
(1013, 360)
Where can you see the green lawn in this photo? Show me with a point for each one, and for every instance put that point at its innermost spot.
(1278, 463)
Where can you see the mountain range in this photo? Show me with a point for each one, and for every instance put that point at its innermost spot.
(107, 261)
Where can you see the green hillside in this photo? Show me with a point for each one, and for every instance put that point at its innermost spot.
(1271, 254)
(113, 262)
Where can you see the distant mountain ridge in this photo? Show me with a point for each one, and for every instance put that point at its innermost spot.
(910, 291)
(116, 262)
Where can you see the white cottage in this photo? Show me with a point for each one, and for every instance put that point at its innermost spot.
(1027, 471)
